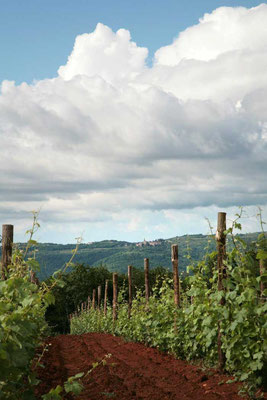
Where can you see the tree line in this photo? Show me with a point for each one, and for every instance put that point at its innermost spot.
(79, 284)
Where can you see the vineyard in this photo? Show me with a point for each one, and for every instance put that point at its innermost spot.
(218, 316)
(215, 317)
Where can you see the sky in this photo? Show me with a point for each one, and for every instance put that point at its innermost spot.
(131, 120)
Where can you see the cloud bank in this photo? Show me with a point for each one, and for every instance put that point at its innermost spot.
(110, 137)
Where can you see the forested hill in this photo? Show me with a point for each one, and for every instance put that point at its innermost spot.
(117, 255)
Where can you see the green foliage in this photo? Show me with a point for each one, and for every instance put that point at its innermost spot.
(191, 332)
(22, 319)
(22, 322)
(73, 384)
(53, 394)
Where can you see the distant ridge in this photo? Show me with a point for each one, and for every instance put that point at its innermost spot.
(117, 255)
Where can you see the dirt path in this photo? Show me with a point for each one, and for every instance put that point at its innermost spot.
(139, 372)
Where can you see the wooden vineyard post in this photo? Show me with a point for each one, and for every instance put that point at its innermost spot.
(176, 284)
(115, 295)
(88, 303)
(221, 249)
(93, 301)
(99, 297)
(262, 283)
(146, 268)
(130, 290)
(34, 278)
(106, 297)
(7, 242)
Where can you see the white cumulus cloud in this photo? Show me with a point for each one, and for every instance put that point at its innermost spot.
(110, 134)
(225, 30)
(113, 56)
(221, 58)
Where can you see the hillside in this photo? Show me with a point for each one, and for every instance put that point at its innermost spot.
(117, 255)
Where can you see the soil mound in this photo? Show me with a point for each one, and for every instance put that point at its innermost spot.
(132, 372)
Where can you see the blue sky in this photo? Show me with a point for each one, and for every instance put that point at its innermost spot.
(37, 36)
(124, 120)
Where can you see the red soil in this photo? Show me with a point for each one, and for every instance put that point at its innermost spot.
(139, 372)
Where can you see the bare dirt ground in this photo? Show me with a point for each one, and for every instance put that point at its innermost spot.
(132, 372)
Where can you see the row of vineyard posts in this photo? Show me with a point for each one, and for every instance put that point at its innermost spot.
(222, 274)
(7, 243)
